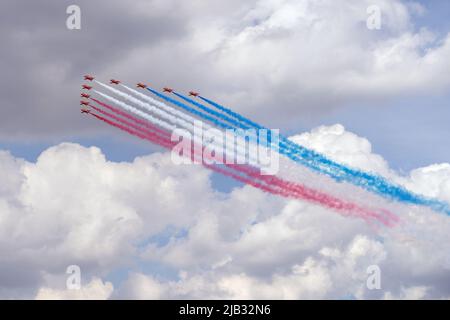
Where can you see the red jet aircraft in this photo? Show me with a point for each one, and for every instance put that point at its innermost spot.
(167, 89)
(85, 111)
(193, 93)
(84, 103)
(86, 87)
(112, 81)
(88, 77)
(141, 85)
(85, 95)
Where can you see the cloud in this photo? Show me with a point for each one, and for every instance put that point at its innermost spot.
(314, 278)
(45, 61)
(74, 207)
(274, 59)
(139, 286)
(171, 235)
(412, 293)
(94, 290)
(344, 147)
(437, 179)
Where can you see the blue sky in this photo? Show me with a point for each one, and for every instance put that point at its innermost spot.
(437, 19)
(408, 132)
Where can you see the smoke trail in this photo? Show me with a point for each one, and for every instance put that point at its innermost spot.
(302, 160)
(432, 203)
(231, 113)
(168, 145)
(162, 113)
(172, 115)
(144, 115)
(140, 126)
(240, 150)
(122, 127)
(214, 113)
(287, 189)
(240, 140)
(163, 106)
(123, 114)
(171, 110)
(338, 172)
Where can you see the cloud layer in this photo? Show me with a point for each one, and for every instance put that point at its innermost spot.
(151, 229)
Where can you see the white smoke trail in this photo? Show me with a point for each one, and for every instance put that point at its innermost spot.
(173, 126)
(138, 112)
(184, 115)
(186, 121)
(163, 106)
(289, 169)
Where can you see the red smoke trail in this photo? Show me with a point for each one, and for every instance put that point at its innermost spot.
(295, 190)
(129, 116)
(126, 129)
(288, 189)
(329, 201)
(168, 145)
(149, 128)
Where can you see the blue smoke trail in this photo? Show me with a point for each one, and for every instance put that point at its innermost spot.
(312, 159)
(191, 110)
(232, 113)
(213, 112)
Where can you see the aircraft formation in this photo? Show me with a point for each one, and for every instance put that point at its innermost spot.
(140, 85)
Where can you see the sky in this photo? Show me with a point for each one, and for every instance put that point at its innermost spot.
(312, 69)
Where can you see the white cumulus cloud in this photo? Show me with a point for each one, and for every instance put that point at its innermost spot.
(177, 237)
(94, 290)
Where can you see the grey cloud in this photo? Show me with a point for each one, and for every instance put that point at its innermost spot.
(42, 61)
